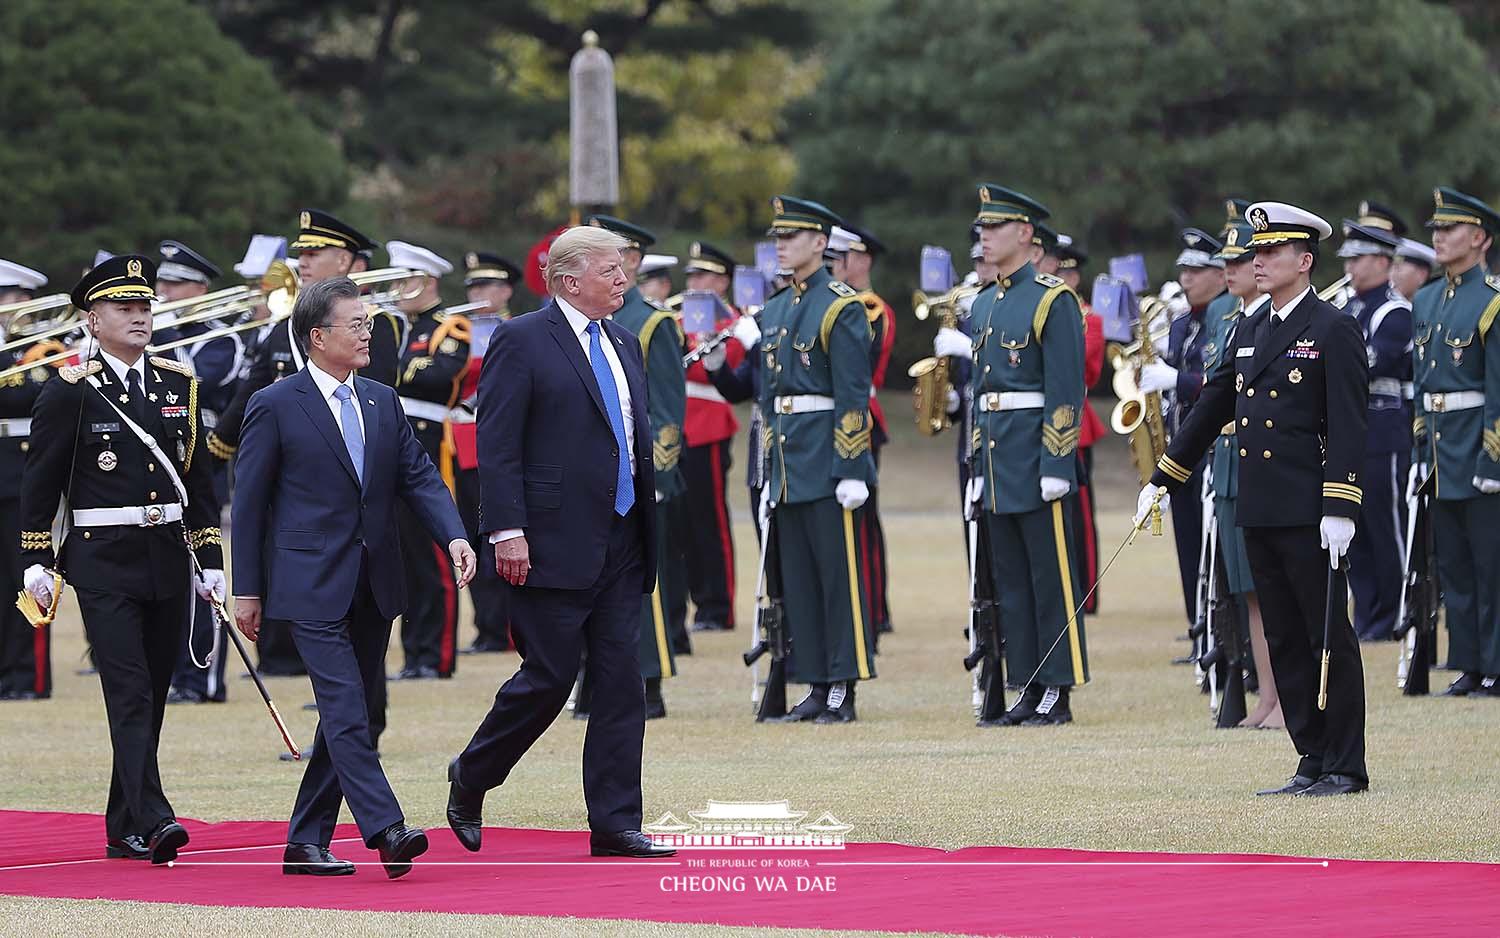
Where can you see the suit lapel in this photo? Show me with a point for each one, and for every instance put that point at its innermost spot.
(317, 411)
(562, 331)
(1271, 339)
(371, 413)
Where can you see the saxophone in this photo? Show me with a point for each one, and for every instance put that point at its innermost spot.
(1138, 415)
(930, 375)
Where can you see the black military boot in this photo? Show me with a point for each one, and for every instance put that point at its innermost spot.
(813, 704)
(840, 704)
(1052, 709)
(1467, 683)
(656, 707)
(1020, 711)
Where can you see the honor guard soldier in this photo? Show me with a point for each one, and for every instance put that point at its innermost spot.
(1377, 555)
(1027, 392)
(25, 652)
(119, 437)
(1416, 263)
(1458, 432)
(655, 277)
(815, 393)
(489, 279)
(433, 365)
(860, 250)
(1229, 313)
(700, 519)
(183, 274)
(666, 395)
(325, 247)
(1295, 384)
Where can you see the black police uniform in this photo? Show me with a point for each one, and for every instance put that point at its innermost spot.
(25, 653)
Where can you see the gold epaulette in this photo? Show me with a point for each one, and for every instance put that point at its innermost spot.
(840, 288)
(172, 364)
(648, 329)
(1487, 318)
(219, 448)
(832, 314)
(874, 305)
(450, 331)
(76, 373)
(1044, 305)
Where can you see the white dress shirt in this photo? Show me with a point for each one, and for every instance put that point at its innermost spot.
(1286, 310)
(120, 368)
(579, 323)
(327, 384)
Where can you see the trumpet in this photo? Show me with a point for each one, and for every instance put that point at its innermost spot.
(923, 305)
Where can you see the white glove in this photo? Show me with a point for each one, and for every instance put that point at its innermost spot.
(1143, 504)
(211, 585)
(1335, 534)
(39, 584)
(953, 400)
(1054, 488)
(1413, 481)
(975, 490)
(950, 343)
(714, 360)
(1157, 376)
(851, 493)
(1487, 486)
(746, 332)
(763, 510)
(659, 497)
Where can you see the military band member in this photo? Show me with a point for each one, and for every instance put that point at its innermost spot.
(815, 393)
(134, 511)
(1027, 392)
(1377, 555)
(655, 277)
(1295, 385)
(1233, 311)
(666, 396)
(431, 374)
(700, 519)
(326, 247)
(1415, 265)
(25, 653)
(490, 279)
(1179, 376)
(1457, 428)
(1071, 259)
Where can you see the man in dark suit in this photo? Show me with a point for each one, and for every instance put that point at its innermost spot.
(566, 493)
(1295, 384)
(323, 457)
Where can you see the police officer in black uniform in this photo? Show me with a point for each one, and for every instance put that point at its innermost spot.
(120, 438)
(1295, 384)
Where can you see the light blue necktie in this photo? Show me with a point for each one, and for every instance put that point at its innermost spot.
(624, 484)
(354, 438)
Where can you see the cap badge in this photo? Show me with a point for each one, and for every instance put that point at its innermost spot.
(1258, 219)
(776, 206)
(1231, 210)
(133, 268)
(696, 250)
(169, 250)
(471, 260)
(1231, 237)
(984, 194)
(1364, 208)
(305, 221)
(1437, 197)
(1191, 239)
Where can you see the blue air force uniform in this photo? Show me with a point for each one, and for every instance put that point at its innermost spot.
(1457, 425)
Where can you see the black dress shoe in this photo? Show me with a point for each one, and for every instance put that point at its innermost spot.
(398, 846)
(179, 695)
(627, 844)
(1333, 784)
(884, 627)
(313, 860)
(132, 847)
(839, 706)
(1467, 683)
(27, 694)
(465, 811)
(313, 706)
(682, 647)
(483, 646)
(1297, 783)
(810, 706)
(306, 755)
(1489, 687)
(1052, 709)
(406, 674)
(1023, 709)
(168, 838)
(656, 708)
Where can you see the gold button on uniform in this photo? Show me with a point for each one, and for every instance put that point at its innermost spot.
(1243, 452)
(1244, 421)
(150, 467)
(1269, 424)
(152, 496)
(1273, 395)
(87, 535)
(1250, 392)
(1266, 454)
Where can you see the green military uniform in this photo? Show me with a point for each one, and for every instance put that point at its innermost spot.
(815, 392)
(1027, 383)
(1457, 424)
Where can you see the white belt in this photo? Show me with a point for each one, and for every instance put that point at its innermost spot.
(1388, 387)
(803, 403)
(15, 426)
(424, 410)
(1452, 400)
(141, 516)
(704, 392)
(1012, 400)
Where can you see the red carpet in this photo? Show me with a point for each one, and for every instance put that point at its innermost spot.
(979, 890)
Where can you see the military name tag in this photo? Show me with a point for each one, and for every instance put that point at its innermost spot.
(104, 428)
(108, 460)
(1244, 352)
(170, 413)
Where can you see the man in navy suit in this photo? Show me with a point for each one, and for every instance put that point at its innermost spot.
(323, 457)
(566, 494)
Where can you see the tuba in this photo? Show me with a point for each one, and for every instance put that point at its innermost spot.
(930, 390)
(1138, 415)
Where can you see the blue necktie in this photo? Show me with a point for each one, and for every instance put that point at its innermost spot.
(354, 438)
(624, 484)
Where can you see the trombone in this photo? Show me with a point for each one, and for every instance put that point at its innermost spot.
(35, 320)
(1337, 293)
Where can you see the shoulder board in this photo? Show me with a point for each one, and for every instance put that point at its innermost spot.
(655, 304)
(840, 288)
(172, 364)
(1493, 282)
(831, 315)
(1048, 280)
(76, 373)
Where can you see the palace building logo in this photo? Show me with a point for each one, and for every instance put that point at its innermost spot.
(749, 825)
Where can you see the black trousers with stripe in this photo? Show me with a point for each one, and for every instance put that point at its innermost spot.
(1468, 550)
(25, 652)
(657, 659)
(826, 606)
(700, 529)
(1037, 582)
(429, 627)
(1377, 552)
(487, 591)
